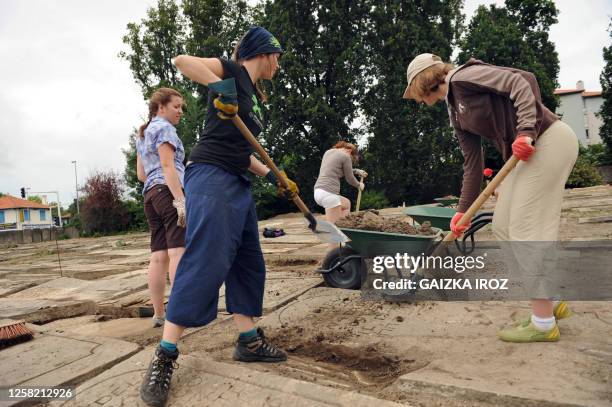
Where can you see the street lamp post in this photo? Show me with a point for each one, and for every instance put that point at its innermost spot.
(76, 185)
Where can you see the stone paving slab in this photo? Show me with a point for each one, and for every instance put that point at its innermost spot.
(133, 329)
(274, 249)
(55, 360)
(458, 345)
(132, 252)
(301, 238)
(204, 382)
(292, 253)
(280, 289)
(92, 271)
(8, 287)
(92, 290)
(98, 325)
(41, 311)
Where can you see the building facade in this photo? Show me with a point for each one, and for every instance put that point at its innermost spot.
(18, 214)
(579, 109)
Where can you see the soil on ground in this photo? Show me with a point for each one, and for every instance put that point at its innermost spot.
(324, 347)
(372, 220)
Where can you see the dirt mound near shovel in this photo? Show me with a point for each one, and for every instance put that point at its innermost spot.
(371, 220)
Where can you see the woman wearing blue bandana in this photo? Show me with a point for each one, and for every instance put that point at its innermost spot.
(222, 240)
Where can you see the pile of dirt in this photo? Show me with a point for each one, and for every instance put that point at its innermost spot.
(371, 220)
(369, 365)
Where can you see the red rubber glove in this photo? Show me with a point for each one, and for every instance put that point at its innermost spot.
(522, 147)
(458, 230)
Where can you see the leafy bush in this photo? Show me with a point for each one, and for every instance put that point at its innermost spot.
(584, 173)
(371, 199)
(103, 211)
(267, 203)
(596, 154)
(137, 220)
(75, 221)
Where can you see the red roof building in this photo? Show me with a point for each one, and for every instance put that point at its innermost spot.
(20, 214)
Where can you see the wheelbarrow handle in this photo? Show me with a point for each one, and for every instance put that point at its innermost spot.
(484, 195)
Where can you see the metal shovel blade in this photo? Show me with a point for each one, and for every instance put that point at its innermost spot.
(327, 232)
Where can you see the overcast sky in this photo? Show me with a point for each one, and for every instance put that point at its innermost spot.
(67, 96)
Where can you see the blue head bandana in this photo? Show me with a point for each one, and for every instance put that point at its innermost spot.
(257, 41)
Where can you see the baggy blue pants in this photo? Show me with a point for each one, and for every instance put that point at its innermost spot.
(222, 245)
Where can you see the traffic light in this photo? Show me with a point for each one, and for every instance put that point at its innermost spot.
(23, 193)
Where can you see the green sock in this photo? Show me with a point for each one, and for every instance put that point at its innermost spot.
(169, 346)
(248, 334)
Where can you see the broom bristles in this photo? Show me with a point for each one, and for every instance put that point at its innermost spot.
(14, 332)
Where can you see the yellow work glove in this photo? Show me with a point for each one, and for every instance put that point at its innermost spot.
(288, 193)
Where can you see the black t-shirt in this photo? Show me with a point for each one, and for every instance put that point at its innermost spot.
(221, 143)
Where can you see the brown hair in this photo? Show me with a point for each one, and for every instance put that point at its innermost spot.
(349, 146)
(258, 84)
(160, 97)
(428, 80)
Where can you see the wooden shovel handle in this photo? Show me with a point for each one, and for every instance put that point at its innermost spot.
(484, 195)
(266, 158)
(359, 194)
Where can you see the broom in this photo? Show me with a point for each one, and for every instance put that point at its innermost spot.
(13, 332)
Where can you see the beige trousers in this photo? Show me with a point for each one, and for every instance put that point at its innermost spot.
(528, 211)
(529, 203)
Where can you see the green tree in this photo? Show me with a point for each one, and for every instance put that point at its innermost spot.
(605, 113)
(516, 36)
(315, 98)
(204, 28)
(584, 173)
(103, 211)
(35, 198)
(411, 154)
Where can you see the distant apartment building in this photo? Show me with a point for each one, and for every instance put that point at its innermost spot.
(18, 214)
(579, 110)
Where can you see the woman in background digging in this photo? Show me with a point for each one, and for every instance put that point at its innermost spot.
(505, 106)
(159, 164)
(337, 163)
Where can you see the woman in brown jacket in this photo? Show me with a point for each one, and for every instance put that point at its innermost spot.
(505, 106)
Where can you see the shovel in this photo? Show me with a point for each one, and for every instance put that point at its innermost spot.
(359, 195)
(469, 214)
(325, 231)
(440, 248)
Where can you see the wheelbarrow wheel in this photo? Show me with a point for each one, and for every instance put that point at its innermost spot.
(348, 275)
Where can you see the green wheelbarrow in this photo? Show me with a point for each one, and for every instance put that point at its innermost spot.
(447, 200)
(344, 266)
(440, 217)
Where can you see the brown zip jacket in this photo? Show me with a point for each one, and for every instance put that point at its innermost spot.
(497, 103)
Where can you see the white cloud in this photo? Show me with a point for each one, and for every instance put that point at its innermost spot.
(579, 37)
(65, 93)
